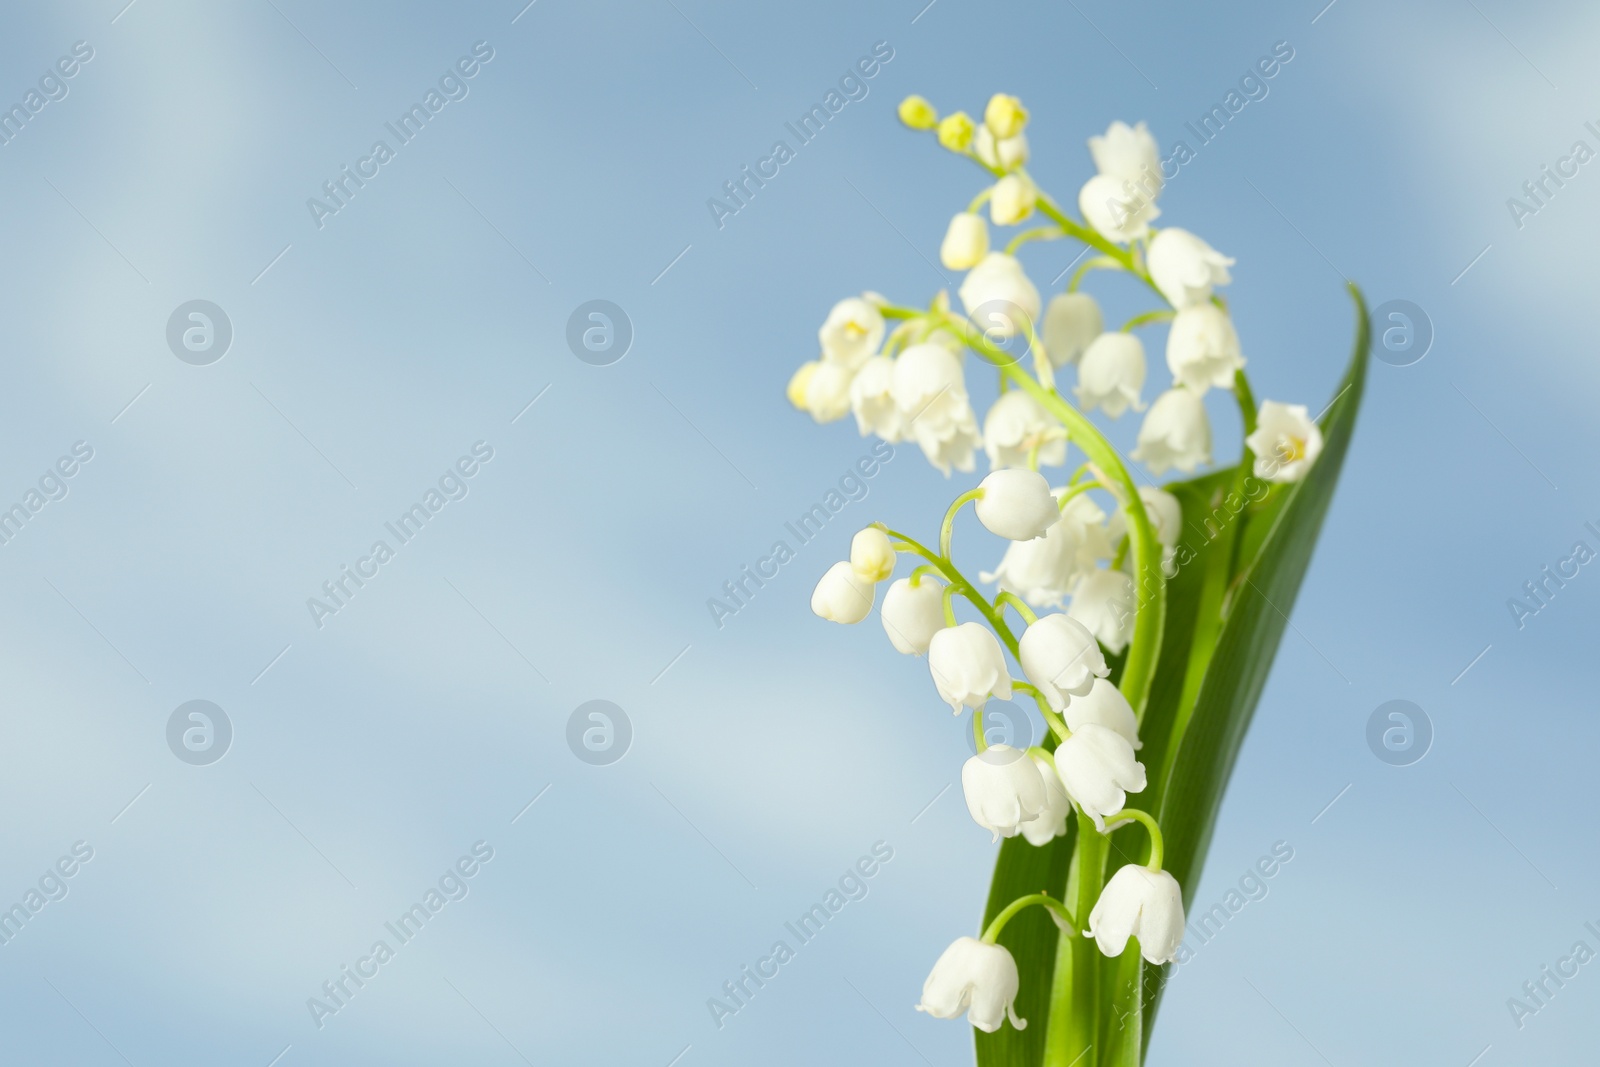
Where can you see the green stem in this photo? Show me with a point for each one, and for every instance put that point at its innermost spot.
(949, 606)
(1157, 843)
(977, 735)
(965, 588)
(1045, 900)
(1007, 597)
(921, 572)
(1093, 263)
(1038, 233)
(1077, 490)
(1082, 993)
(1159, 315)
(948, 529)
(1054, 721)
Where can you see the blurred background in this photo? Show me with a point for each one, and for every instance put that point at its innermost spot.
(346, 761)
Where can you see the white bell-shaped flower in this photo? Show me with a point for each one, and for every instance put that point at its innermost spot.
(1203, 348)
(852, 332)
(1004, 789)
(1052, 821)
(873, 403)
(1175, 433)
(1286, 442)
(968, 666)
(872, 555)
(930, 392)
(1071, 322)
(1060, 657)
(1008, 154)
(1139, 902)
(1016, 504)
(1112, 374)
(1103, 601)
(999, 282)
(1012, 200)
(1116, 209)
(1185, 268)
(965, 243)
(1043, 572)
(1015, 426)
(1128, 153)
(1104, 705)
(977, 978)
(1098, 770)
(912, 614)
(842, 595)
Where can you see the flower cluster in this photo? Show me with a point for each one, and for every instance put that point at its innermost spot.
(1074, 548)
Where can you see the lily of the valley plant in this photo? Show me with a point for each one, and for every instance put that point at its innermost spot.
(1140, 621)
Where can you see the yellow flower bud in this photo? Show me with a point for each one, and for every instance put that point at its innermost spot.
(1005, 116)
(955, 131)
(800, 382)
(917, 113)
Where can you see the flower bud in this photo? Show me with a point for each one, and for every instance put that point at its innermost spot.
(841, 596)
(955, 131)
(1012, 200)
(912, 614)
(1005, 115)
(917, 113)
(871, 555)
(1007, 155)
(1016, 504)
(799, 382)
(965, 242)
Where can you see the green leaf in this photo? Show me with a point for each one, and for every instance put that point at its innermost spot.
(1276, 542)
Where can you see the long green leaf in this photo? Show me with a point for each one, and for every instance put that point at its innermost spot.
(1277, 543)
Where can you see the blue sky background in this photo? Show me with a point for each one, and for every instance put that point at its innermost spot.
(770, 754)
